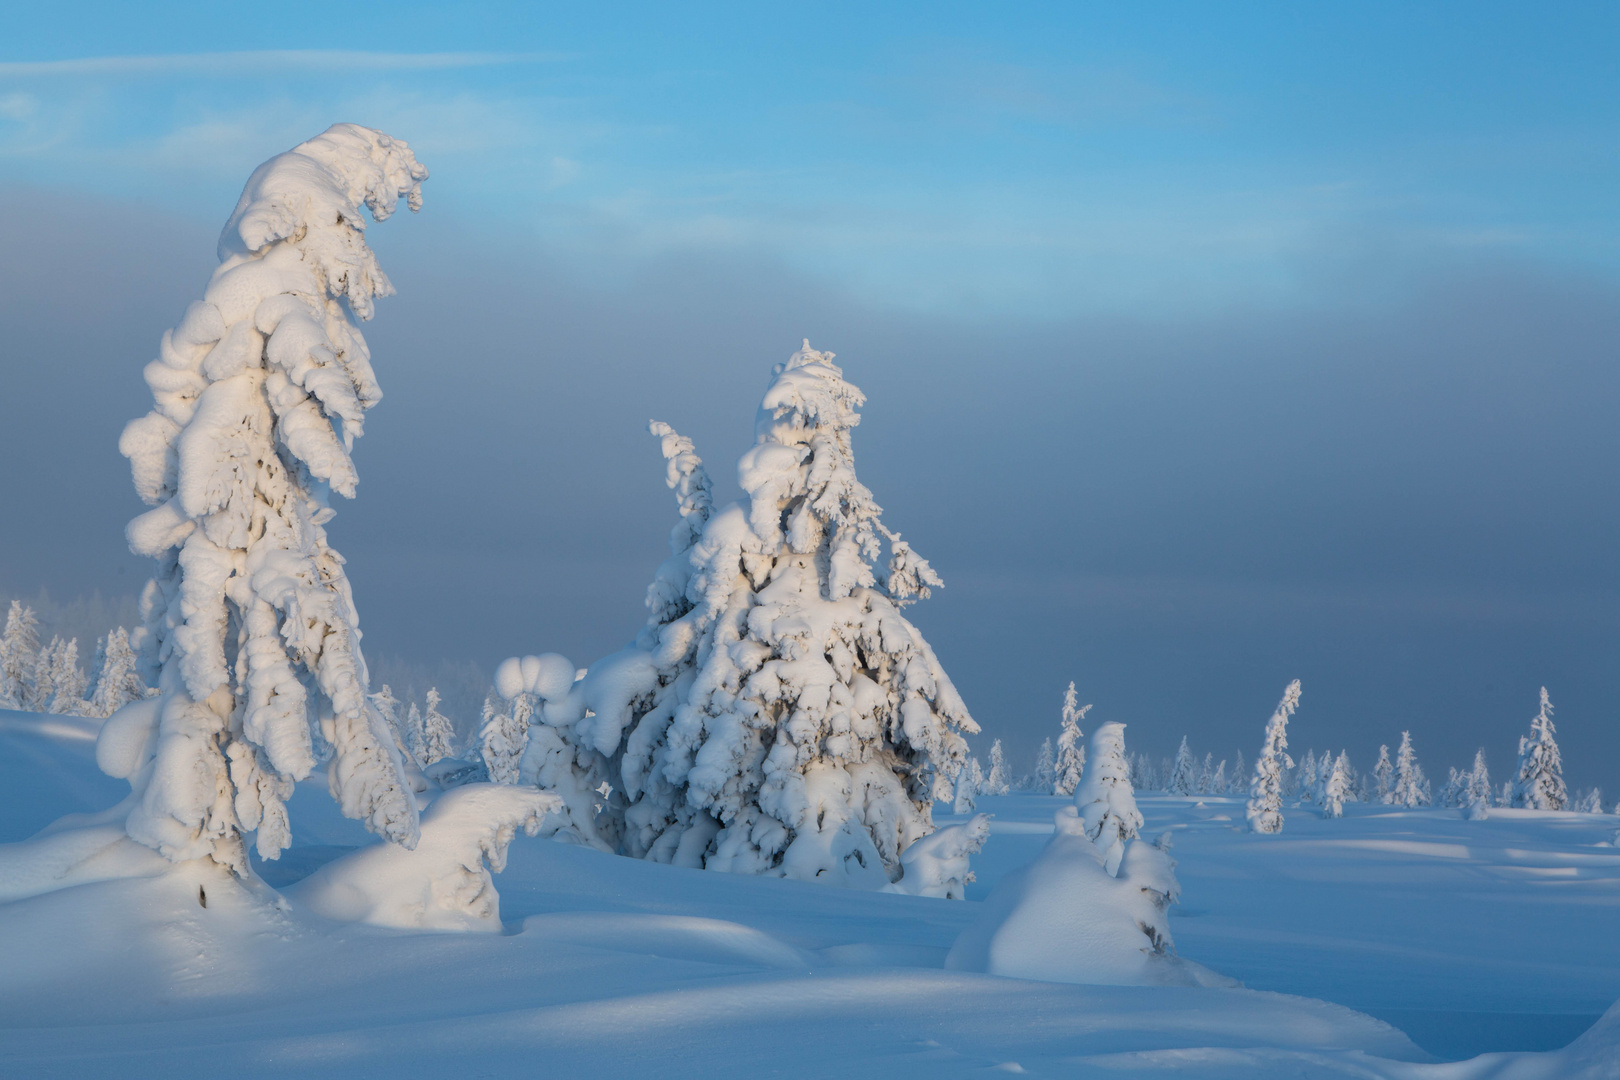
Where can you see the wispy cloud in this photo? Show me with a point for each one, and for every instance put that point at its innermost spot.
(263, 61)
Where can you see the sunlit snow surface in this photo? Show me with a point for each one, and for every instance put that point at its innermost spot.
(1471, 936)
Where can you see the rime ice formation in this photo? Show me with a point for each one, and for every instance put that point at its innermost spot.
(777, 714)
(251, 630)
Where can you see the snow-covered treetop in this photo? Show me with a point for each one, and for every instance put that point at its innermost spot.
(801, 484)
(312, 196)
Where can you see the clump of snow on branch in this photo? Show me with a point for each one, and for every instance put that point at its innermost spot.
(251, 629)
(1264, 809)
(445, 882)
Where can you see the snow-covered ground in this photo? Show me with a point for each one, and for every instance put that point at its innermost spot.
(1467, 936)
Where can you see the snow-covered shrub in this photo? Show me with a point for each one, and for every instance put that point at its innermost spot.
(250, 625)
(965, 791)
(937, 865)
(1071, 752)
(444, 883)
(1184, 773)
(1066, 918)
(1104, 797)
(778, 714)
(1264, 810)
(552, 713)
(998, 781)
(1538, 783)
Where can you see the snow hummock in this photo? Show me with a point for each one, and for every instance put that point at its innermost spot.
(443, 883)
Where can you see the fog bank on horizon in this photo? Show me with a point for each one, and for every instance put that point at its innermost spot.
(1406, 502)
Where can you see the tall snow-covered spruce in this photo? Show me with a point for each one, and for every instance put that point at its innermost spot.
(1264, 810)
(1539, 780)
(251, 630)
(778, 713)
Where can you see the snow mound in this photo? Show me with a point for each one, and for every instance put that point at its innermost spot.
(1064, 918)
(937, 865)
(444, 883)
(73, 857)
(672, 937)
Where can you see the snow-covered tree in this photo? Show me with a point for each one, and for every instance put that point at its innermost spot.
(438, 733)
(250, 624)
(1264, 810)
(1184, 773)
(1410, 785)
(19, 656)
(503, 736)
(1071, 752)
(1334, 781)
(1045, 776)
(1384, 777)
(997, 782)
(1239, 782)
(1206, 774)
(387, 706)
(1591, 802)
(1538, 783)
(778, 713)
(1104, 797)
(67, 680)
(1477, 797)
(1218, 783)
(1308, 777)
(118, 682)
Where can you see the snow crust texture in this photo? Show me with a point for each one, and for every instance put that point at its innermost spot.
(251, 631)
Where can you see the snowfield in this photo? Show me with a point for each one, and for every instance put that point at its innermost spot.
(1348, 936)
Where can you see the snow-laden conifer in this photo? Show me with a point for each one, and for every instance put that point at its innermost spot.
(250, 624)
(1104, 797)
(119, 681)
(1538, 782)
(1045, 776)
(997, 782)
(68, 682)
(1218, 784)
(1264, 810)
(1239, 782)
(779, 714)
(1071, 752)
(1409, 783)
(1384, 777)
(19, 656)
(1184, 773)
(503, 736)
(1589, 802)
(1335, 783)
(1206, 774)
(1308, 777)
(1477, 797)
(438, 733)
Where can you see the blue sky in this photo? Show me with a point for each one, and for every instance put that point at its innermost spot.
(1206, 346)
(1043, 160)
